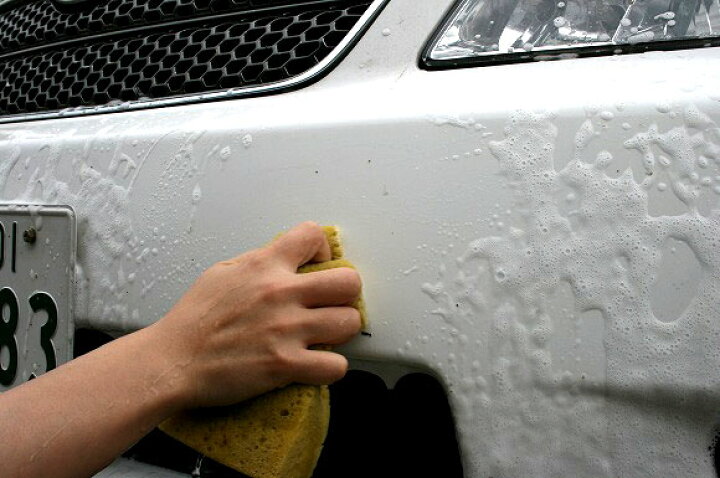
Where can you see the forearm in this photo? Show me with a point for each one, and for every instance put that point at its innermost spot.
(121, 390)
(248, 325)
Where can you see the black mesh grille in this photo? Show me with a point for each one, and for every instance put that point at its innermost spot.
(233, 45)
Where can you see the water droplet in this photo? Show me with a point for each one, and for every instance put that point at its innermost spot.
(196, 194)
(665, 16)
(225, 153)
(663, 107)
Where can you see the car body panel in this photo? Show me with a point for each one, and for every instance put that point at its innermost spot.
(123, 468)
(513, 226)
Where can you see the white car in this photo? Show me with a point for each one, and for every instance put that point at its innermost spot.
(540, 237)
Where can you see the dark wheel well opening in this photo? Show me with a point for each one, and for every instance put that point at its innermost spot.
(715, 450)
(381, 432)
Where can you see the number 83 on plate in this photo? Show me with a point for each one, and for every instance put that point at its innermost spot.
(37, 264)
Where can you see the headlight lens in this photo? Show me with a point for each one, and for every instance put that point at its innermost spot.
(485, 28)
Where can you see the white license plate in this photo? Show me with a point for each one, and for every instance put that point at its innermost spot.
(37, 268)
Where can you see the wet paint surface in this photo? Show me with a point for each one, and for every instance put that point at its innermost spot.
(582, 230)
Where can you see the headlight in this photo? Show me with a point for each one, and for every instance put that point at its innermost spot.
(484, 30)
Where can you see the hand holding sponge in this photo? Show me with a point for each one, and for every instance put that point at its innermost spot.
(277, 435)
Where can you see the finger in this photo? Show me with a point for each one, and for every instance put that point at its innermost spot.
(331, 287)
(304, 243)
(318, 367)
(341, 286)
(330, 325)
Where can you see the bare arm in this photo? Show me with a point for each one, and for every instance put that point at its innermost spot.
(244, 328)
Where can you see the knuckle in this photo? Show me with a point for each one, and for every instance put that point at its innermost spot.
(281, 328)
(310, 225)
(214, 274)
(275, 330)
(281, 363)
(275, 290)
(256, 259)
(314, 233)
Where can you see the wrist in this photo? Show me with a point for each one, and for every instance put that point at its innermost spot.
(166, 369)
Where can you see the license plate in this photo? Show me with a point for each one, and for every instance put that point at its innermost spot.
(37, 269)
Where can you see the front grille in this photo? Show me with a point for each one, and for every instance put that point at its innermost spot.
(127, 50)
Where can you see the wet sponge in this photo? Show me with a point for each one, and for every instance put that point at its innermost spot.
(277, 435)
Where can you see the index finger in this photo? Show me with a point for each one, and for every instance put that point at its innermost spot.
(302, 244)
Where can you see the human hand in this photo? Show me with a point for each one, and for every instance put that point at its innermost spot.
(246, 326)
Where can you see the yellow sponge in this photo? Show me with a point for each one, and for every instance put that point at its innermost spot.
(277, 435)
(332, 233)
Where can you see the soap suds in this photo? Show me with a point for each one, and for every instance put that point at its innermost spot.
(647, 401)
(97, 178)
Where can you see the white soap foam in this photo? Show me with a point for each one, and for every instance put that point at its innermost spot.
(110, 253)
(642, 404)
